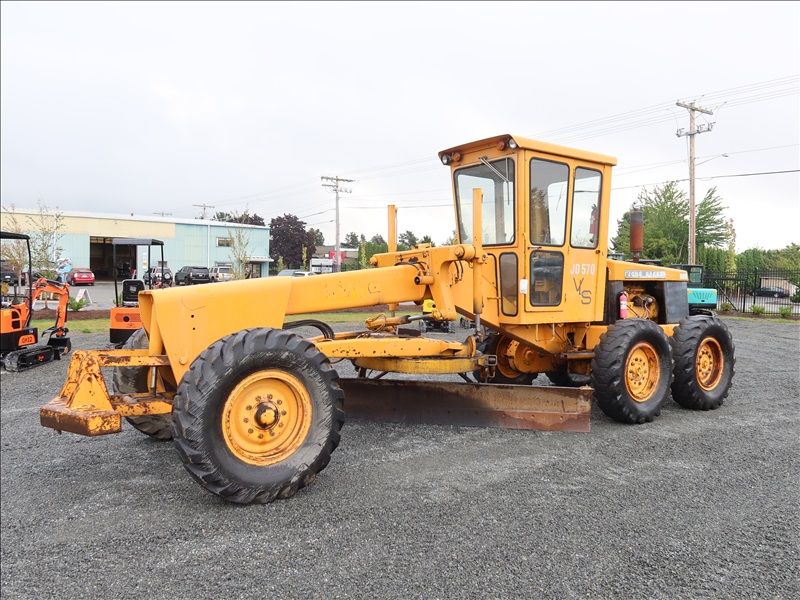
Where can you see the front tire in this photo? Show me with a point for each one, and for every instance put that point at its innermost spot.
(632, 371)
(258, 415)
(704, 355)
(133, 380)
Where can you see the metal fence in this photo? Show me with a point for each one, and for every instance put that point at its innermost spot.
(776, 291)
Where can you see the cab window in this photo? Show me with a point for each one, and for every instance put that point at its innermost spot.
(496, 180)
(585, 206)
(547, 273)
(548, 202)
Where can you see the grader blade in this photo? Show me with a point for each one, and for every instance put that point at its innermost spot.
(469, 404)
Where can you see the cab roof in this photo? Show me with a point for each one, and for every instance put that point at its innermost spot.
(535, 145)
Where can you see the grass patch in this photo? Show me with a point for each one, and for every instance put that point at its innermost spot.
(767, 318)
(83, 326)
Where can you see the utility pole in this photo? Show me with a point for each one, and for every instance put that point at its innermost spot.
(333, 183)
(693, 131)
(204, 207)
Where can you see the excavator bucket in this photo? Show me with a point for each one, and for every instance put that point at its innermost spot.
(469, 404)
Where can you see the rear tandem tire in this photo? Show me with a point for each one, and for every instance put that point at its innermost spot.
(131, 380)
(632, 371)
(562, 377)
(258, 415)
(704, 355)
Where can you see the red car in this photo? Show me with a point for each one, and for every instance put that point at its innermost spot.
(80, 276)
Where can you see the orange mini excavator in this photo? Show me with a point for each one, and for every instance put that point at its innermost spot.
(19, 342)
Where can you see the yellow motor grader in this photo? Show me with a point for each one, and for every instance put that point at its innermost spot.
(255, 409)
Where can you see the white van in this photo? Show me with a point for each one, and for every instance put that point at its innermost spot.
(221, 273)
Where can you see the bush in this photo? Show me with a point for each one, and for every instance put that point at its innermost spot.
(726, 307)
(77, 304)
(758, 310)
(785, 311)
(796, 297)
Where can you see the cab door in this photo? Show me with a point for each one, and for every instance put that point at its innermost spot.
(563, 261)
(583, 274)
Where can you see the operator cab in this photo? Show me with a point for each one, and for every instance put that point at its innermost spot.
(542, 228)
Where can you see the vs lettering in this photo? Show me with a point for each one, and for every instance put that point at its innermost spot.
(586, 295)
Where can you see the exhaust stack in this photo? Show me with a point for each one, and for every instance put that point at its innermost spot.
(637, 233)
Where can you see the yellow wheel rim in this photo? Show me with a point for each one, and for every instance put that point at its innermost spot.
(642, 372)
(266, 417)
(503, 365)
(709, 364)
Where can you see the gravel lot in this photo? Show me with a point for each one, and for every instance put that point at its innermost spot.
(694, 505)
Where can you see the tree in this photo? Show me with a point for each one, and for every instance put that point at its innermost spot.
(666, 224)
(45, 234)
(222, 216)
(239, 239)
(711, 228)
(240, 251)
(280, 265)
(406, 240)
(245, 218)
(785, 259)
(451, 240)
(351, 240)
(46, 230)
(730, 258)
(426, 239)
(288, 238)
(713, 259)
(13, 252)
(750, 259)
(366, 250)
(319, 239)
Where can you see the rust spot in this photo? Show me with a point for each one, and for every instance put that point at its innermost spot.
(479, 405)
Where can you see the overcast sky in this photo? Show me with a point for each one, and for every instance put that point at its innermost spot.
(159, 107)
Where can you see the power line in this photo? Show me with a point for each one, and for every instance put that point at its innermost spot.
(710, 178)
(643, 117)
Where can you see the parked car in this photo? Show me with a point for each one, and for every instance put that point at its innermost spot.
(80, 276)
(771, 291)
(9, 275)
(192, 275)
(157, 275)
(295, 273)
(221, 273)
